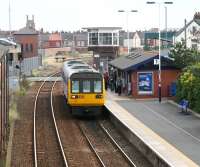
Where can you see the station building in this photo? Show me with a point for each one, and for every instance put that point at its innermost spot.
(104, 42)
(139, 75)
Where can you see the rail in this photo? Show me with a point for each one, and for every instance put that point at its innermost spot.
(120, 149)
(56, 127)
(91, 146)
(34, 119)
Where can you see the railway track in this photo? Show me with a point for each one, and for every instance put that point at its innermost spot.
(48, 150)
(107, 152)
(51, 114)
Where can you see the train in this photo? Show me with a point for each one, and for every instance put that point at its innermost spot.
(83, 88)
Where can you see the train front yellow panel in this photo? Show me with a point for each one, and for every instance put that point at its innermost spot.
(85, 99)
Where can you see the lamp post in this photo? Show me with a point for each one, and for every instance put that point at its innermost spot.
(127, 12)
(159, 51)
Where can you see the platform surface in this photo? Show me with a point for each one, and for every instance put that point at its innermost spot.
(173, 130)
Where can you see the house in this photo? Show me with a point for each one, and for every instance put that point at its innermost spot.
(190, 33)
(27, 37)
(80, 41)
(55, 40)
(151, 39)
(140, 76)
(138, 40)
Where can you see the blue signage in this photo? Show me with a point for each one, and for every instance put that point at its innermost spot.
(145, 85)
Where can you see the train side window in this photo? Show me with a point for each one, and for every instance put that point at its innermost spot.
(97, 86)
(86, 86)
(75, 86)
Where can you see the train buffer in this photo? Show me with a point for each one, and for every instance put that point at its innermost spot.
(184, 106)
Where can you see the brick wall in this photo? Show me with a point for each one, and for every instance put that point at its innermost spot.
(167, 76)
(28, 39)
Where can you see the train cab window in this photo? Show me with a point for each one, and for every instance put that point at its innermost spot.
(86, 86)
(97, 86)
(75, 86)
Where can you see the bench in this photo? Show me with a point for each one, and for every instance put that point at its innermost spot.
(184, 105)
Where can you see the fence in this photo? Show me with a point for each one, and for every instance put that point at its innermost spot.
(4, 102)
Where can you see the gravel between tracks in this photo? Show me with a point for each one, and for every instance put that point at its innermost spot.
(130, 150)
(22, 150)
(75, 145)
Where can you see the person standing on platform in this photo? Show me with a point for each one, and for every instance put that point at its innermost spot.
(119, 86)
(106, 80)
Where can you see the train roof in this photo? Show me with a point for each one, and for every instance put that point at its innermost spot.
(71, 62)
(77, 68)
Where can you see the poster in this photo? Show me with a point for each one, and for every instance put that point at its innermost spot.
(145, 83)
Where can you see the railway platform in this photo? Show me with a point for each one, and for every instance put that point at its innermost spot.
(171, 135)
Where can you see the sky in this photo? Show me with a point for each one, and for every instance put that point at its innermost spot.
(73, 15)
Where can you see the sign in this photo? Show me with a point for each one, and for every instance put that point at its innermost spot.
(145, 83)
(156, 61)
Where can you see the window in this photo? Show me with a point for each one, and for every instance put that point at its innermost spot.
(26, 47)
(31, 47)
(93, 38)
(97, 86)
(115, 38)
(22, 47)
(86, 86)
(75, 86)
(105, 38)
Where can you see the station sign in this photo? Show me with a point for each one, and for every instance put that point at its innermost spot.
(156, 61)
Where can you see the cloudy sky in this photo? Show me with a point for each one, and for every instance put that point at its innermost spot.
(72, 15)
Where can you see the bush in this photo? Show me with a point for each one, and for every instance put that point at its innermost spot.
(188, 86)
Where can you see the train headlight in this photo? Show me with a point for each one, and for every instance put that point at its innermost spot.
(99, 96)
(74, 96)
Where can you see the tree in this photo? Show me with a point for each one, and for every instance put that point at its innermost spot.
(184, 56)
(188, 86)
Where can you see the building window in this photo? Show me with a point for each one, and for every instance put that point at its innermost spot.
(93, 38)
(22, 47)
(82, 43)
(31, 47)
(105, 38)
(194, 46)
(78, 43)
(115, 38)
(26, 47)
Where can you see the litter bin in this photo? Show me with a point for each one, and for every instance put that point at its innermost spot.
(172, 89)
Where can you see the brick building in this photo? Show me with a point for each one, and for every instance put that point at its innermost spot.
(55, 41)
(27, 37)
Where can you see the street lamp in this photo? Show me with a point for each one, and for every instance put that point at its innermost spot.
(159, 68)
(127, 12)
